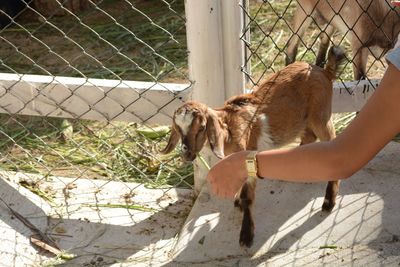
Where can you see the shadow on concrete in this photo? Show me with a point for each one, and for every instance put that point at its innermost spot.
(98, 243)
(290, 224)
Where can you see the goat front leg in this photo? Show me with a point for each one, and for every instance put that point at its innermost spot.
(245, 200)
(326, 132)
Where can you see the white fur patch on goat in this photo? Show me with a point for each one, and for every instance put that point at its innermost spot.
(184, 120)
(265, 141)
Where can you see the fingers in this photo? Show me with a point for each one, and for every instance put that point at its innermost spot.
(223, 185)
(219, 184)
(220, 189)
(228, 175)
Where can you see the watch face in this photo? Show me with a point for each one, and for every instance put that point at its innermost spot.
(251, 168)
(250, 165)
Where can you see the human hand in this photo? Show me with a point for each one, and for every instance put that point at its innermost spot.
(228, 175)
(396, 3)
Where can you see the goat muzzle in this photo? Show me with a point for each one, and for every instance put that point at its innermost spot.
(188, 156)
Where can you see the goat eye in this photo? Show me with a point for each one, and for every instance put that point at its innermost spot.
(202, 127)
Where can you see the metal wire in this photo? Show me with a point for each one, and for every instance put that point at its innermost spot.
(121, 40)
(129, 55)
(270, 24)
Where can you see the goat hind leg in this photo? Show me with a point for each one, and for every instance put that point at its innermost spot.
(326, 133)
(330, 195)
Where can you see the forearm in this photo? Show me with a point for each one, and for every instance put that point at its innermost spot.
(313, 162)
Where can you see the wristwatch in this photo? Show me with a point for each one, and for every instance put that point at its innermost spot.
(251, 164)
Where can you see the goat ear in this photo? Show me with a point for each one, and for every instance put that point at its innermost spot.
(172, 142)
(215, 135)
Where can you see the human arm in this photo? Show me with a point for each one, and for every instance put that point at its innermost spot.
(369, 132)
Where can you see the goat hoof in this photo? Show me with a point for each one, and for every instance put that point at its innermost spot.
(328, 205)
(246, 239)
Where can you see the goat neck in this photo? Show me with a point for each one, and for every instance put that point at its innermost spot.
(241, 115)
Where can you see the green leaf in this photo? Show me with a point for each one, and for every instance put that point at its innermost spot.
(153, 132)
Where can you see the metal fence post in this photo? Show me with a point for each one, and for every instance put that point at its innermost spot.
(215, 57)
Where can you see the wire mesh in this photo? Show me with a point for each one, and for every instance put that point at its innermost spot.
(76, 164)
(284, 31)
(123, 40)
(95, 42)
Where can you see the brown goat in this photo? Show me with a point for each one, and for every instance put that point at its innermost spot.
(366, 23)
(294, 102)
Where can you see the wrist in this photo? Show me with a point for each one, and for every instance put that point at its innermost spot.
(252, 165)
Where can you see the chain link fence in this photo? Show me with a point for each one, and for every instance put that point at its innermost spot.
(284, 31)
(116, 40)
(86, 96)
(88, 88)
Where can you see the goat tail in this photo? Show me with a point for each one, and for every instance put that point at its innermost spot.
(336, 58)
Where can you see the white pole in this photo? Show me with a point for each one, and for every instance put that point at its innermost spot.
(206, 68)
(204, 40)
(215, 58)
(233, 47)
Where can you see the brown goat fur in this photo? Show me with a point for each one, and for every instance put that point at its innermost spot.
(294, 102)
(366, 23)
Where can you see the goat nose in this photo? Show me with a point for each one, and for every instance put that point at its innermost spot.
(184, 148)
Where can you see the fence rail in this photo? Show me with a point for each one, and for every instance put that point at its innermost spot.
(90, 99)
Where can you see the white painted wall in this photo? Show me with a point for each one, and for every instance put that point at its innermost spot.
(352, 96)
